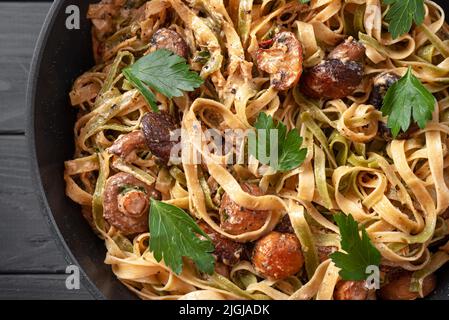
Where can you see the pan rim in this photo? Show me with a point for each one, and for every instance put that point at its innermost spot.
(43, 204)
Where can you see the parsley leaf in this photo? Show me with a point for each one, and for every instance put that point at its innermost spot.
(405, 99)
(401, 15)
(174, 234)
(163, 71)
(304, 1)
(288, 146)
(360, 252)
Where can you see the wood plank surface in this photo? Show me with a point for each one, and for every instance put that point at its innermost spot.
(31, 265)
(39, 287)
(20, 23)
(27, 244)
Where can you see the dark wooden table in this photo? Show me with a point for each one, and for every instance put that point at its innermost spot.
(31, 265)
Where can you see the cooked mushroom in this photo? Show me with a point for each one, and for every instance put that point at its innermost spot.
(281, 57)
(171, 40)
(157, 128)
(278, 255)
(353, 290)
(235, 219)
(349, 50)
(284, 225)
(398, 286)
(339, 75)
(445, 214)
(325, 251)
(222, 269)
(126, 202)
(226, 250)
(128, 144)
(380, 87)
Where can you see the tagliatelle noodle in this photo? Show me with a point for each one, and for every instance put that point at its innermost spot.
(397, 189)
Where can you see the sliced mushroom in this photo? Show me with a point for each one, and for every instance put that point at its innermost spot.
(226, 250)
(282, 58)
(126, 203)
(235, 219)
(157, 128)
(128, 144)
(398, 286)
(171, 40)
(278, 255)
(339, 75)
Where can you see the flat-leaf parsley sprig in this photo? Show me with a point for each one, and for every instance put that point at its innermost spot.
(402, 14)
(289, 153)
(163, 71)
(407, 99)
(359, 251)
(174, 235)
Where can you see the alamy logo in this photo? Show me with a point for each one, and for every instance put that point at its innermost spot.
(373, 277)
(72, 282)
(72, 22)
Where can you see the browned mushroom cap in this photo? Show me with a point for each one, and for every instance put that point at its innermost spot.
(285, 226)
(338, 76)
(278, 255)
(381, 84)
(332, 79)
(348, 50)
(282, 60)
(171, 40)
(126, 202)
(226, 250)
(235, 219)
(156, 128)
(353, 290)
(398, 286)
(128, 144)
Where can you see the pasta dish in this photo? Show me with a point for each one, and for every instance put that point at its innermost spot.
(266, 149)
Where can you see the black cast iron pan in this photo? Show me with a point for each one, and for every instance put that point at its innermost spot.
(61, 55)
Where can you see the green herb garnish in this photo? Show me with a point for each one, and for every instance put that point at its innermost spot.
(174, 234)
(401, 15)
(407, 99)
(289, 153)
(359, 251)
(163, 71)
